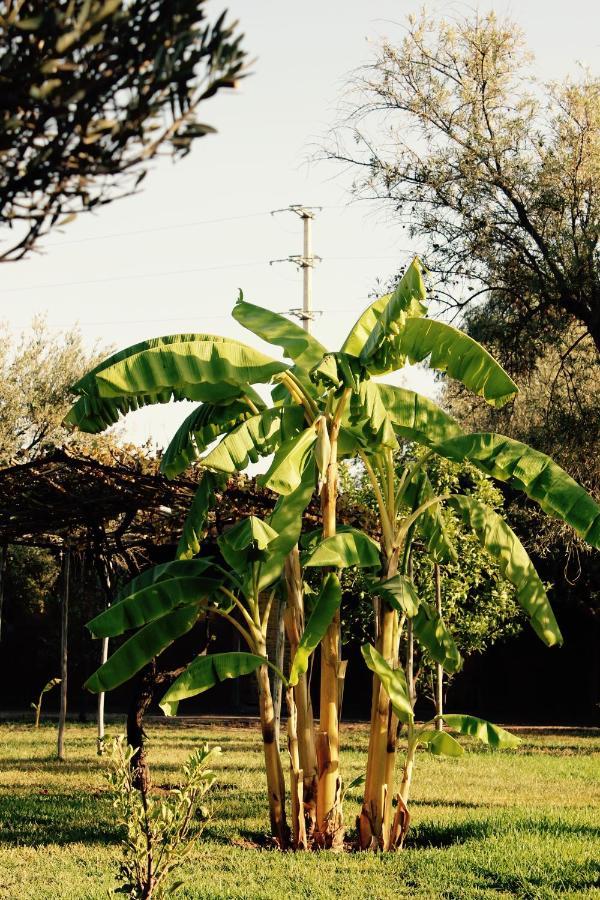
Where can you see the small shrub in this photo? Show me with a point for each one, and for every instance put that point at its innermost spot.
(160, 829)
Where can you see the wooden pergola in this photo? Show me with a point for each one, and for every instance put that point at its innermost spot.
(115, 515)
(122, 515)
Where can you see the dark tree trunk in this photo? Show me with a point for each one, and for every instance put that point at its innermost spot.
(148, 682)
(142, 698)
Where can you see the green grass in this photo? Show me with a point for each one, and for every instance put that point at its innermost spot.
(522, 823)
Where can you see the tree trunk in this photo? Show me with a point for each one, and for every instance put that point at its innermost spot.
(375, 819)
(136, 737)
(274, 770)
(64, 654)
(148, 682)
(294, 626)
(329, 831)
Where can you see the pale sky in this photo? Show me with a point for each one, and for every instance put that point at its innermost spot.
(172, 258)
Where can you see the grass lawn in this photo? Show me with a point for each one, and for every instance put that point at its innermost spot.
(522, 823)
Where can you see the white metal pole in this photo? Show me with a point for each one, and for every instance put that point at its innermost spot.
(101, 695)
(64, 633)
(439, 670)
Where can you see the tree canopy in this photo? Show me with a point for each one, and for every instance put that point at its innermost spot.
(91, 92)
(447, 128)
(36, 374)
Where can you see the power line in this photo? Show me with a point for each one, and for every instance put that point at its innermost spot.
(241, 265)
(118, 234)
(61, 284)
(195, 224)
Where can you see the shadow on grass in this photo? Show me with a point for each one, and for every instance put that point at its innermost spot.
(431, 835)
(570, 878)
(41, 819)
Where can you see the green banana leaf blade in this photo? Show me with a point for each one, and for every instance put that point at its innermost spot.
(393, 681)
(409, 297)
(286, 520)
(151, 603)
(346, 548)
(532, 472)
(296, 343)
(501, 542)
(484, 731)
(197, 431)
(414, 417)
(291, 458)
(194, 527)
(100, 404)
(205, 672)
(147, 643)
(441, 744)
(260, 435)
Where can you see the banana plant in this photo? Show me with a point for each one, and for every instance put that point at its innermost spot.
(167, 601)
(425, 735)
(406, 501)
(325, 407)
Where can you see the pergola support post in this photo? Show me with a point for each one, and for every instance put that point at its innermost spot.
(439, 669)
(64, 656)
(101, 695)
(3, 561)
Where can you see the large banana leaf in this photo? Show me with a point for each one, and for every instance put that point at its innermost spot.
(286, 520)
(393, 681)
(291, 458)
(94, 411)
(147, 643)
(326, 605)
(200, 429)
(414, 417)
(484, 731)
(534, 473)
(174, 569)
(501, 542)
(431, 524)
(152, 603)
(346, 548)
(258, 436)
(207, 671)
(185, 365)
(408, 296)
(449, 350)
(249, 532)
(297, 344)
(194, 527)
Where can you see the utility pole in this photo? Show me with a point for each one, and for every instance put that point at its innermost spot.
(306, 314)
(306, 261)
